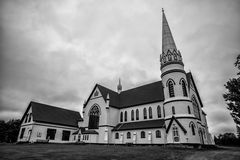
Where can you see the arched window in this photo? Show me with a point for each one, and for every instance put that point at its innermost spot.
(171, 89)
(121, 117)
(195, 108)
(169, 57)
(184, 88)
(159, 111)
(137, 114)
(30, 117)
(132, 115)
(192, 126)
(189, 110)
(94, 117)
(175, 134)
(175, 57)
(125, 116)
(26, 118)
(145, 113)
(150, 112)
(173, 110)
(128, 135)
(116, 135)
(163, 111)
(143, 134)
(158, 134)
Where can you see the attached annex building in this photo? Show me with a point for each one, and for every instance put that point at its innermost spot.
(163, 112)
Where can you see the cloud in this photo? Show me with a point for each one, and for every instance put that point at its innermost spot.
(54, 52)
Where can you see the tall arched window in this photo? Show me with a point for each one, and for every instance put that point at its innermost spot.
(189, 110)
(175, 134)
(159, 111)
(94, 117)
(171, 89)
(192, 126)
(150, 112)
(184, 88)
(137, 114)
(158, 134)
(132, 115)
(128, 135)
(121, 117)
(143, 134)
(195, 108)
(145, 113)
(173, 110)
(125, 116)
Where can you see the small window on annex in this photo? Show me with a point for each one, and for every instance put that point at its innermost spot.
(137, 114)
(143, 134)
(51, 133)
(125, 116)
(173, 110)
(116, 135)
(22, 133)
(65, 135)
(128, 135)
(145, 113)
(159, 111)
(158, 134)
(132, 115)
(150, 112)
(121, 117)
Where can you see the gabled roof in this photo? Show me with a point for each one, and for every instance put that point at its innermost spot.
(148, 93)
(53, 115)
(159, 123)
(190, 78)
(180, 125)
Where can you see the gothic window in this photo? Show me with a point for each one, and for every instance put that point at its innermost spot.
(128, 135)
(164, 59)
(195, 108)
(94, 117)
(132, 115)
(116, 135)
(150, 112)
(192, 126)
(145, 113)
(175, 57)
(121, 117)
(26, 118)
(125, 116)
(137, 114)
(143, 134)
(169, 57)
(30, 117)
(171, 89)
(159, 111)
(189, 110)
(96, 94)
(184, 88)
(158, 134)
(173, 110)
(175, 134)
(163, 111)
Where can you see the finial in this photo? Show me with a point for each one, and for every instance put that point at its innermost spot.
(108, 97)
(119, 87)
(162, 10)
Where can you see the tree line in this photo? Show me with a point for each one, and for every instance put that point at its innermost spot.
(9, 130)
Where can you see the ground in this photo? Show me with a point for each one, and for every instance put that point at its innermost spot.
(110, 152)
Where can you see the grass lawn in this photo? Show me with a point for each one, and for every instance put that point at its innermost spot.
(105, 152)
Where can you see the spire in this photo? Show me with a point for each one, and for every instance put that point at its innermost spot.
(119, 87)
(170, 54)
(167, 38)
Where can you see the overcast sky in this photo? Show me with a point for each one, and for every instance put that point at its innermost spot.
(55, 51)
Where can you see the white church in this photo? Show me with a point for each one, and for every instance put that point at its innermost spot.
(163, 112)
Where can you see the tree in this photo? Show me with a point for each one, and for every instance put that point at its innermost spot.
(232, 97)
(9, 130)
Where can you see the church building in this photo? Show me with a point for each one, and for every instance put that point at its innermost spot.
(168, 111)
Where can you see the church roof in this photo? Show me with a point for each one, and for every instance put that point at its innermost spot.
(53, 115)
(159, 123)
(148, 93)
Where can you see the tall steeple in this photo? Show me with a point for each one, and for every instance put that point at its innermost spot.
(169, 49)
